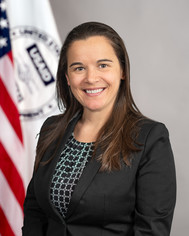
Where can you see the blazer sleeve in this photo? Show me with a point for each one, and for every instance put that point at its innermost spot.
(156, 185)
(35, 220)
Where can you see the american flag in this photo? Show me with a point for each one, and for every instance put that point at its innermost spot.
(12, 191)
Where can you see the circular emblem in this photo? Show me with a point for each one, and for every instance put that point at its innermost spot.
(36, 57)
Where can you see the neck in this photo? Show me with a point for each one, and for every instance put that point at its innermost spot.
(96, 119)
(88, 127)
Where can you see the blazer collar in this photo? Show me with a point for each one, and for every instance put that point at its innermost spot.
(86, 178)
(44, 174)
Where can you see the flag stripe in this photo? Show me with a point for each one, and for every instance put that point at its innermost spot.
(7, 75)
(9, 54)
(12, 176)
(5, 228)
(11, 143)
(9, 108)
(10, 206)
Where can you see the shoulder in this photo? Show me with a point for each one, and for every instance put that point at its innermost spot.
(150, 128)
(51, 120)
(54, 121)
(155, 145)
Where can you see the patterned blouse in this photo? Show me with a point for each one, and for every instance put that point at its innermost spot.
(69, 168)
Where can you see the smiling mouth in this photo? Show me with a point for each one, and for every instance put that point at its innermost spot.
(93, 91)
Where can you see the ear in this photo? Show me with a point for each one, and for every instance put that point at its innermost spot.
(122, 75)
(67, 78)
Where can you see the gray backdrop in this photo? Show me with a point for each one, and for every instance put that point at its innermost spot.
(156, 34)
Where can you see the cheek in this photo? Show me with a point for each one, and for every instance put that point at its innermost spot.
(115, 80)
(75, 88)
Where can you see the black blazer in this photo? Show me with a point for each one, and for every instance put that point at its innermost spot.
(134, 201)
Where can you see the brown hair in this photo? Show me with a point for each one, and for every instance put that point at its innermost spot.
(118, 134)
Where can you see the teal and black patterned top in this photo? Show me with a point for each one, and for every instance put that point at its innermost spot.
(69, 168)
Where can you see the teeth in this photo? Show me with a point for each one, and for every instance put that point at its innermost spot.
(94, 91)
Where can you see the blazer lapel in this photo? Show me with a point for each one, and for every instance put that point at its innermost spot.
(86, 178)
(43, 177)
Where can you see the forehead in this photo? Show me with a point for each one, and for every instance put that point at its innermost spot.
(91, 46)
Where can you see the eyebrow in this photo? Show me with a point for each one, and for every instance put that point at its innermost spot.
(76, 63)
(104, 60)
(79, 63)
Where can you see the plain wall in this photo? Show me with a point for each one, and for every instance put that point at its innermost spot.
(156, 34)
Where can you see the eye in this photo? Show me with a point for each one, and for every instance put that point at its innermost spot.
(80, 68)
(103, 66)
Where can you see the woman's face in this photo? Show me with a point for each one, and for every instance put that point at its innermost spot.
(94, 73)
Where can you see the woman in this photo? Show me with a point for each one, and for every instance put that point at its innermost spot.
(101, 167)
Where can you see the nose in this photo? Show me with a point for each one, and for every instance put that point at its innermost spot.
(91, 76)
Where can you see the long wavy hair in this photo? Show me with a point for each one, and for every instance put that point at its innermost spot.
(117, 138)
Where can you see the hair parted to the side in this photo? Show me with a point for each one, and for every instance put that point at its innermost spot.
(118, 134)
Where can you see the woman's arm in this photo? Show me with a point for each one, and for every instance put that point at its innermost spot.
(35, 221)
(156, 185)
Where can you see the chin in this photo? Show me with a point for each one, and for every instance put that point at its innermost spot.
(94, 108)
